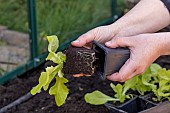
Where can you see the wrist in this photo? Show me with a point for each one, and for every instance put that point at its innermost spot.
(120, 28)
(125, 28)
(162, 43)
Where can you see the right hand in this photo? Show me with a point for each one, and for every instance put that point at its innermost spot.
(100, 34)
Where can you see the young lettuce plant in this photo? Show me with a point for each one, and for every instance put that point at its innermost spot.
(163, 90)
(99, 98)
(59, 89)
(159, 82)
(143, 83)
(138, 85)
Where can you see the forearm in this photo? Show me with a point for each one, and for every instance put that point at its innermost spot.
(146, 17)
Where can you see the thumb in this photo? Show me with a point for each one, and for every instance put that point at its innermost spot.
(127, 71)
(119, 42)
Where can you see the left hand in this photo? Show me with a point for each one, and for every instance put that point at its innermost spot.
(144, 49)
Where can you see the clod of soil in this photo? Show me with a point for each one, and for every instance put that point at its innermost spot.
(79, 60)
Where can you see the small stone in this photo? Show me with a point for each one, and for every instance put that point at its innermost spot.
(81, 89)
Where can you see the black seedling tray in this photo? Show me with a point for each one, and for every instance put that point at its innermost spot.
(143, 105)
(161, 108)
(149, 97)
(135, 105)
(127, 107)
(110, 59)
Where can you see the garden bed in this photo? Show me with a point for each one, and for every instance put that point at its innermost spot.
(44, 103)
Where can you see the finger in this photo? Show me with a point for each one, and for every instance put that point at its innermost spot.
(88, 45)
(125, 73)
(84, 39)
(119, 42)
(116, 77)
(113, 77)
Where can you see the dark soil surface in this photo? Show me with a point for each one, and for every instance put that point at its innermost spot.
(17, 87)
(44, 103)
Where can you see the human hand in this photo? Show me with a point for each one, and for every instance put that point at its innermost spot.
(144, 49)
(101, 34)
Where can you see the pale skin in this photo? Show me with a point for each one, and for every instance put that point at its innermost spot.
(135, 30)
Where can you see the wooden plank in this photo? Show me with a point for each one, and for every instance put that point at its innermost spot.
(162, 108)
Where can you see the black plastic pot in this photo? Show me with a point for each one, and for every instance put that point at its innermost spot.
(161, 108)
(149, 96)
(110, 60)
(127, 107)
(135, 105)
(144, 105)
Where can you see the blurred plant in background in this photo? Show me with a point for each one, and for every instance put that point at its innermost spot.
(66, 18)
(121, 6)
(13, 14)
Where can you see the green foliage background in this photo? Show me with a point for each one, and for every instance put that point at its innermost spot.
(65, 18)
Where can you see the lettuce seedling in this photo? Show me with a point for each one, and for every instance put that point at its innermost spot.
(59, 89)
(121, 91)
(151, 79)
(146, 81)
(99, 98)
(137, 85)
(159, 81)
(143, 83)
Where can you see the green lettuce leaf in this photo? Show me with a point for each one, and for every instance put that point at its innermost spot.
(58, 58)
(53, 43)
(118, 89)
(154, 68)
(131, 83)
(98, 98)
(59, 90)
(42, 82)
(51, 72)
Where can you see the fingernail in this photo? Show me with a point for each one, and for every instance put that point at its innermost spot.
(112, 76)
(76, 41)
(108, 43)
